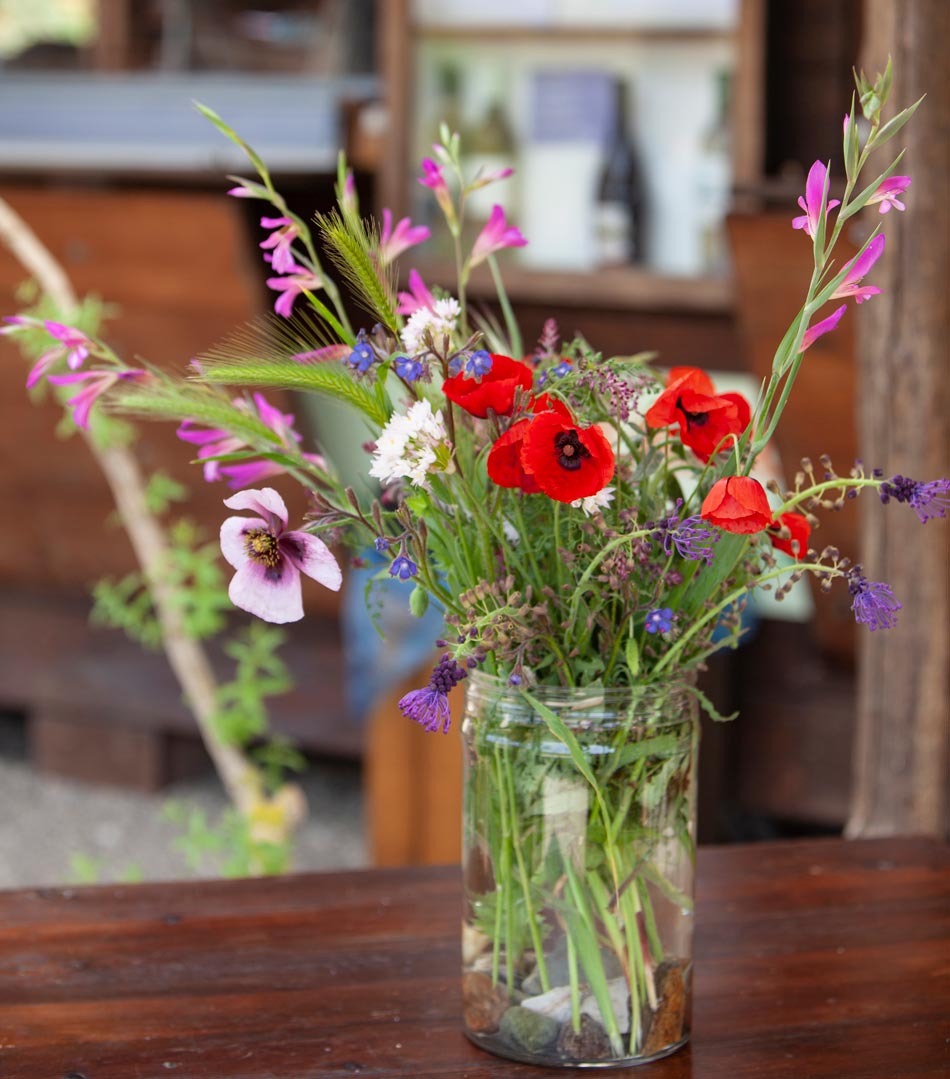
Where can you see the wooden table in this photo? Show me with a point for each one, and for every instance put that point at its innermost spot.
(815, 960)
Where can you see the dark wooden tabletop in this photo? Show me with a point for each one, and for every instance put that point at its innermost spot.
(814, 960)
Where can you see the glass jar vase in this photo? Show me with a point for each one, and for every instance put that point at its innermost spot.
(578, 862)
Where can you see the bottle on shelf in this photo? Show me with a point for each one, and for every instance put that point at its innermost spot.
(714, 183)
(619, 209)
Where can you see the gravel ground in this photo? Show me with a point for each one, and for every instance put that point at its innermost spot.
(46, 822)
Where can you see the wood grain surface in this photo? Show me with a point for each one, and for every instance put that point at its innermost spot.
(814, 960)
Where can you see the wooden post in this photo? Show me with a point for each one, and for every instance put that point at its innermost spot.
(901, 758)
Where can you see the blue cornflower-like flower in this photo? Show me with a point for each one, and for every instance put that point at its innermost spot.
(659, 620)
(408, 368)
(456, 364)
(873, 602)
(479, 363)
(927, 500)
(563, 368)
(362, 357)
(403, 567)
(381, 543)
(430, 706)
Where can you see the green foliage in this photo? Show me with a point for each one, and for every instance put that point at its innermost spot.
(276, 757)
(84, 869)
(224, 847)
(189, 401)
(126, 604)
(196, 580)
(260, 673)
(196, 584)
(327, 380)
(161, 491)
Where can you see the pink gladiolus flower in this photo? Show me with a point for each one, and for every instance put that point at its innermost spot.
(280, 242)
(269, 559)
(215, 442)
(820, 328)
(241, 192)
(484, 179)
(857, 268)
(811, 203)
(74, 345)
(98, 383)
(417, 298)
(887, 193)
(433, 178)
(349, 192)
(496, 235)
(394, 241)
(290, 287)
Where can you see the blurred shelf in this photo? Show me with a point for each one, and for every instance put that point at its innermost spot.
(623, 288)
(513, 34)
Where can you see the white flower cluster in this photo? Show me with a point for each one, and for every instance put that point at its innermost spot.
(442, 317)
(594, 503)
(411, 446)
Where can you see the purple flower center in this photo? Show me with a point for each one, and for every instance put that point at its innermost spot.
(693, 419)
(261, 546)
(570, 452)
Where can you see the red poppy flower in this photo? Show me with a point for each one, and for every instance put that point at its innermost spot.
(504, 459)
(797, 543)
(566, 461)
(737, 504)
(494, 390)
(706, 419)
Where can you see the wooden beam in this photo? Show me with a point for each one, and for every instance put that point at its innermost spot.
(901, 761)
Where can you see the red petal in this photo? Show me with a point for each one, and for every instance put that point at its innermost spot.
(737, 504)
(494, 391)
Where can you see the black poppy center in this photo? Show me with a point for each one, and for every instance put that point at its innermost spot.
(693, 419)
(261, 546)
(569, 450)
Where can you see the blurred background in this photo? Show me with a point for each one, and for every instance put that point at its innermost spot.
(660, 147)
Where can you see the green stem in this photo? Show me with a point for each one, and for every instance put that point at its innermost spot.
(529, 906)
(511, 323)
(736, 594)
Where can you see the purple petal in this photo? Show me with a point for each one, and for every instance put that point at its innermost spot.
(265, 502)
(312, 556)
(275, 595)
(232, 538)
(815, 189)
(820, 328)
(42, 365)
(188, 432)
(860, 265)
(240, 475)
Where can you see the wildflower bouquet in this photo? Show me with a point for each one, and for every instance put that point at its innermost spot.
(590, 531)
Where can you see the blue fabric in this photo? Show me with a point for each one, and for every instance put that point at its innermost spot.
(375, 665)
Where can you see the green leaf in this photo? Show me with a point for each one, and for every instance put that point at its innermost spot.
(708, 707)
(230, 133)
(161, 490)
(661, 745)
(890, 129)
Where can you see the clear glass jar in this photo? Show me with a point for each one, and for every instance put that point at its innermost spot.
(578, 861)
